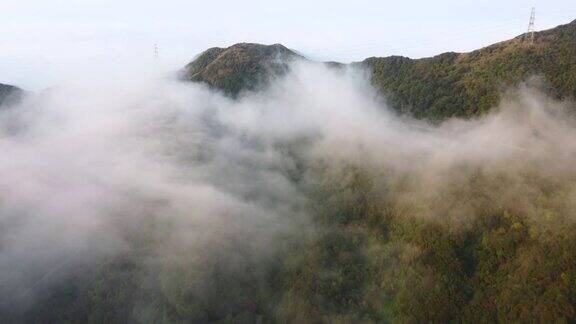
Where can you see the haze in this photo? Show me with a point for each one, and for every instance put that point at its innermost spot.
(45, 43)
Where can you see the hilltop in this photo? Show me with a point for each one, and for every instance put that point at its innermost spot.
(244, 66)
(446, 85)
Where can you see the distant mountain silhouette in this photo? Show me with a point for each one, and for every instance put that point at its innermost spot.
(9, 94)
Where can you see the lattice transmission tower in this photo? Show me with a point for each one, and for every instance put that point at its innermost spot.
(530, 33)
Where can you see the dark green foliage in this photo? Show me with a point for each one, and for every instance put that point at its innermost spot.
(239, 67)
(381, 246)
(379, 260)
(436, 88)
(469, 84)
(373, 257)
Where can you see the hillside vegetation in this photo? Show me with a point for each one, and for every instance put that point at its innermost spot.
(469, 84)
(436, 88)
(374, 259)
(239, 67)
(342, 220)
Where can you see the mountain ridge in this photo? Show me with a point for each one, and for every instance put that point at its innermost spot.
(468, 84)
(446, 85)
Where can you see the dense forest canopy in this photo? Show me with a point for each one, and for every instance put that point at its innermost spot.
(435, 88)
(469, 84)
(306, 202)
(240, 67)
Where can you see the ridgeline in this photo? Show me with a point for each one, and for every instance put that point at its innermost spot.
(435, 88)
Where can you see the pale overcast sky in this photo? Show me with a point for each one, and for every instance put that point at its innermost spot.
(48, 42)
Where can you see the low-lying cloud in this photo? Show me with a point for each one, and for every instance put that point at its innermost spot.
(207, 194)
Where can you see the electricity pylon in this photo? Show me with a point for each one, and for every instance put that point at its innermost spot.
(530, 32)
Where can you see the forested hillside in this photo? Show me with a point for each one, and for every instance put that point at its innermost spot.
(436, 88)
(239, 67)
(383, 250)
(469, 84)
(172, 204)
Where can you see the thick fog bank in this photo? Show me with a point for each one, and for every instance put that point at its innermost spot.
(207, 194)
